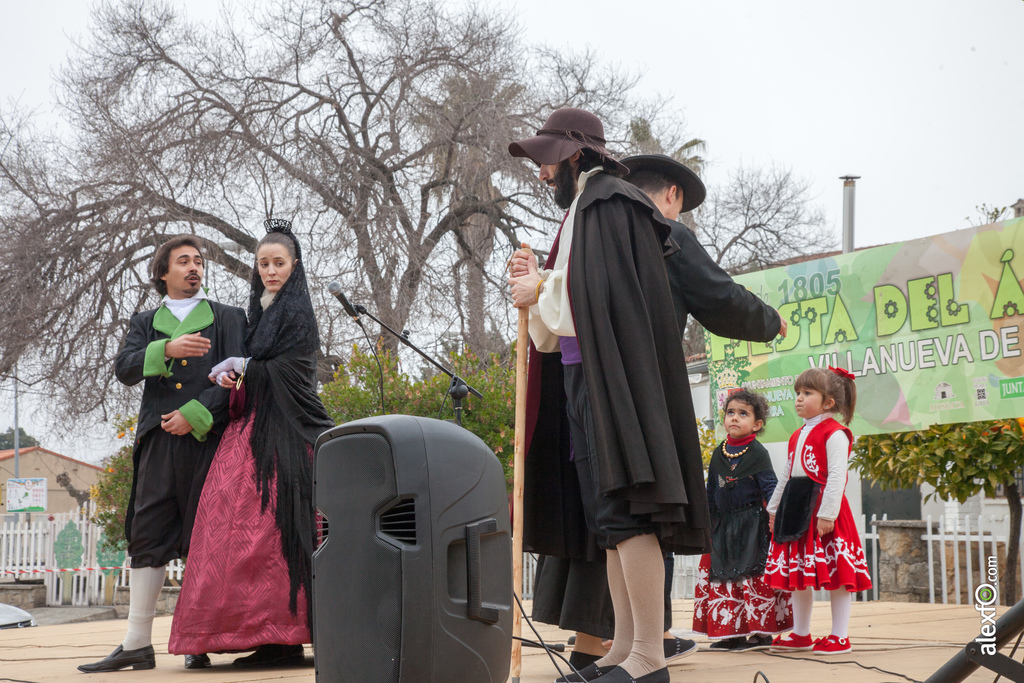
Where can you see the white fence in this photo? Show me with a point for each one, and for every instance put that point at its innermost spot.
(957, 556)
(684, 575)
(63, 549)
(29, 549)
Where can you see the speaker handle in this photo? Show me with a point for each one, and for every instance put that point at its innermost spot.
(474, 531)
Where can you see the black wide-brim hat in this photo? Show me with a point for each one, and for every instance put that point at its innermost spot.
(693, 188)
(564, 133)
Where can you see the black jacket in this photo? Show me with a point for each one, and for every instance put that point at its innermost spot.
(162, 395)
(702, 289)
(189, 380)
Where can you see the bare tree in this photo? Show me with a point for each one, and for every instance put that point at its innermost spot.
(380, 128)
(762, 217)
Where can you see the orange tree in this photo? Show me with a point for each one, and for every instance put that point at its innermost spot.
(959, 460)
(114, 487)
(356, 393)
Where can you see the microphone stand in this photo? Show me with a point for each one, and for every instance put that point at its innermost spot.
(457, 389)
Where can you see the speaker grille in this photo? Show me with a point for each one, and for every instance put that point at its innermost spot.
(399, 522)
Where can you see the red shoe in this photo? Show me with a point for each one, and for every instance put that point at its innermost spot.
(832, 645)
(792, 643)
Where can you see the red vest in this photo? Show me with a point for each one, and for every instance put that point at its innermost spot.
(814, 457)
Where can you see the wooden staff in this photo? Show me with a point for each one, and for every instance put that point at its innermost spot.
(519, 457)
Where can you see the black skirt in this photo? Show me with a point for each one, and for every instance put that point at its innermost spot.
(796, 509)
(739, 544)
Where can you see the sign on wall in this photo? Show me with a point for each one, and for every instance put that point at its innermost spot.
(931, 328)
(26, 495)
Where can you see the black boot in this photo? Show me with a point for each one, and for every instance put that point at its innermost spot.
(273, 655)
(197, 661)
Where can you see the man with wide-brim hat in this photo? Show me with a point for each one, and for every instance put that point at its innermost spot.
(700, 287)
(566, 132)
(604, 304)
(666, 172)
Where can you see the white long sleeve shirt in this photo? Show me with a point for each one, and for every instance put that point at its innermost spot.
(551, 316)
(837, 450)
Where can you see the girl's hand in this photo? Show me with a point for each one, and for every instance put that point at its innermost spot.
(771, 523)
(227, 379)
(825, 526)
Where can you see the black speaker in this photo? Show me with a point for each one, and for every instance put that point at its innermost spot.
(413, 580)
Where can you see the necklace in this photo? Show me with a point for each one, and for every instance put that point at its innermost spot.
(733, 456)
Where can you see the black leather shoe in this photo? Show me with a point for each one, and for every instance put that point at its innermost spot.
(620, 675)
(588, 673)
(143, 658)
(273, 655)
(197, 661)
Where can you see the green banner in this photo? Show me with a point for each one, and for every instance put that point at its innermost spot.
(931, 328)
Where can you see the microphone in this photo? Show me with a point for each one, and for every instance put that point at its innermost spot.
(335, 288)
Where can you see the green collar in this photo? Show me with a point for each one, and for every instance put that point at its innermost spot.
(199, 318)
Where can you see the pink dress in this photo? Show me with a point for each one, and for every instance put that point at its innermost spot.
(234, 595)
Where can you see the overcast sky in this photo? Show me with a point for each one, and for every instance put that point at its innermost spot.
(922, 99)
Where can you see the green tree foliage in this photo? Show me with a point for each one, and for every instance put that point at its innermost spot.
(356, 393)
(112, 491)
(24, 440)
(708, 442)
(960, 461)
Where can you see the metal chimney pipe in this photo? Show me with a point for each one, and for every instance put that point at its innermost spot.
(849, 188)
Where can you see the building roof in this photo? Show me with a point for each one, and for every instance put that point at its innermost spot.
(9, 455)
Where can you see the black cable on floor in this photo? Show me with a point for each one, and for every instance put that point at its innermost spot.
(551, 653)
(834, 661)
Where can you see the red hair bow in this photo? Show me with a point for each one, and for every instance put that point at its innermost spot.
(845, 374)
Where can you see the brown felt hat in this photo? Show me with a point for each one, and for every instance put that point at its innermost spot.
(564, 133)
(679, 173)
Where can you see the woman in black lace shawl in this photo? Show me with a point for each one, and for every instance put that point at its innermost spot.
(258, 497)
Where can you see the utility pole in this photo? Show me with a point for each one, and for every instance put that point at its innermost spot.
(17, 443)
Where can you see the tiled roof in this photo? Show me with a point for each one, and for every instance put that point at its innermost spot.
(9, 454)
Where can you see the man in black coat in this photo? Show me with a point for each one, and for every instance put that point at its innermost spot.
(172, 349)
(605, 304)
(700, 287)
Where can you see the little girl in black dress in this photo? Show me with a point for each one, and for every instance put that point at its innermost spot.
(732, 600)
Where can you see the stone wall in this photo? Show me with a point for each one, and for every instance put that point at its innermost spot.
(23, 595)
(164, 605)
(903, 560)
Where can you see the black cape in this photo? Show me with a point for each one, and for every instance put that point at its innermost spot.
(648, 448)
(636, 377)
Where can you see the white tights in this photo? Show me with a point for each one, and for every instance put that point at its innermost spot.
(841, 603)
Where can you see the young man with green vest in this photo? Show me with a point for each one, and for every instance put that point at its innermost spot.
(172, 349)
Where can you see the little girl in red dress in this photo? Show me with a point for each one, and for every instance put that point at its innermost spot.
(815, 541)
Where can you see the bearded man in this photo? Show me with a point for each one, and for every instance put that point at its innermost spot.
(172, 349)
(633, 479)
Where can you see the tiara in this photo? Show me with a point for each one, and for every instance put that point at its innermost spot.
(278, 225)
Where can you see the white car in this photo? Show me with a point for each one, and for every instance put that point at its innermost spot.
(14, 617)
